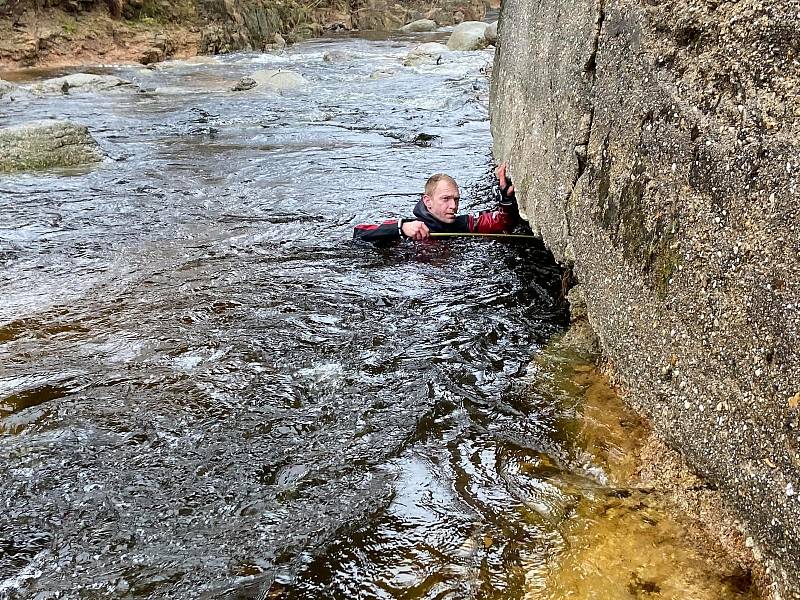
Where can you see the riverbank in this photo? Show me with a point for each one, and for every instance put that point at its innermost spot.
(93, 32)
(53, 38)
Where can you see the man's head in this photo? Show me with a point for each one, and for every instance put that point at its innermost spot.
(441, 197)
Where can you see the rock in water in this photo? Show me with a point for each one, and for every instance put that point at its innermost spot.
(45, 144)
(491, 33)
(332, 56)
(429, 53)
(279, 80)
(419, 26)
(79, 81)
(245, 83)
(469, 35)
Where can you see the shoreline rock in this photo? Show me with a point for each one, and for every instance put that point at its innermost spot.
(491, 33)
(6, 88)
(419, 26)
(469, 35)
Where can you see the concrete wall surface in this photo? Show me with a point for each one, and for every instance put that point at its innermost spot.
(655, 145)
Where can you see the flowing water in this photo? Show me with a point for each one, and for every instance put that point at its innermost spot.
(208, 391)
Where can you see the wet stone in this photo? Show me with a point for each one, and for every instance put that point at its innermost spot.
(46, 144)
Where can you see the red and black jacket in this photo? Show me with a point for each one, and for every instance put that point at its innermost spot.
(502, 220)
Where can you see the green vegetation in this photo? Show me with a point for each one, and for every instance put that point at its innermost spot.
(70, 26)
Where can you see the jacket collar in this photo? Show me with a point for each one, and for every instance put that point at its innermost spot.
(423, 214)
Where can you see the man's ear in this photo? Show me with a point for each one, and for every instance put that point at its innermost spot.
(426, 200)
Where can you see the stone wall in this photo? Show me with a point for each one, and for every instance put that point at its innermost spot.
(655, 146)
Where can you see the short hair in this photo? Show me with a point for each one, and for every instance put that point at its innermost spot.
(434, 180)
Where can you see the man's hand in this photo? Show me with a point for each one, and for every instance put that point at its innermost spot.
(506, 187)
(416, 230)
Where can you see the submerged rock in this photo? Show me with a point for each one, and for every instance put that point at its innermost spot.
(381, 74)
(469, 35)
(83, 82)
(428, 53)
(272, 79)
(245, 83)
(45, 144)
(419, 26)
(332, 56)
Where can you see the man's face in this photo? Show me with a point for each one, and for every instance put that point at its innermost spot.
(443, 203)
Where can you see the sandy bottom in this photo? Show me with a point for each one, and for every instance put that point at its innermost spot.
(656, 530)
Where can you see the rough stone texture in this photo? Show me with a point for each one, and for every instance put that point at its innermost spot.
(427, 53)
(469, 35)
(279, 80)
(78, 81)
(656, 145)
(46, 144)
(420, 25)
(580, 337)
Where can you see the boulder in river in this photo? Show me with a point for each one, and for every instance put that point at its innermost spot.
(244, 84)
(491, 33)
(428, 53)
(332, 56)
(279, 42)
(45, 144)
(84, 82)
(419, 26)
(277, 80)
(381, 74)
(469, 35)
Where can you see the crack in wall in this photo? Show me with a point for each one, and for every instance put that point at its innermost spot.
(581, 147)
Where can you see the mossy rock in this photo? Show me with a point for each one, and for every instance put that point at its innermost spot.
(46, 144)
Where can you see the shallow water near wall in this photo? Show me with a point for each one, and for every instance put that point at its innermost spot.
(208, 391)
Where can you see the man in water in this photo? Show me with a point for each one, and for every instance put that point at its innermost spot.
(437, 213)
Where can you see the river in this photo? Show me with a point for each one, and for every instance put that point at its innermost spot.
(208, 391)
